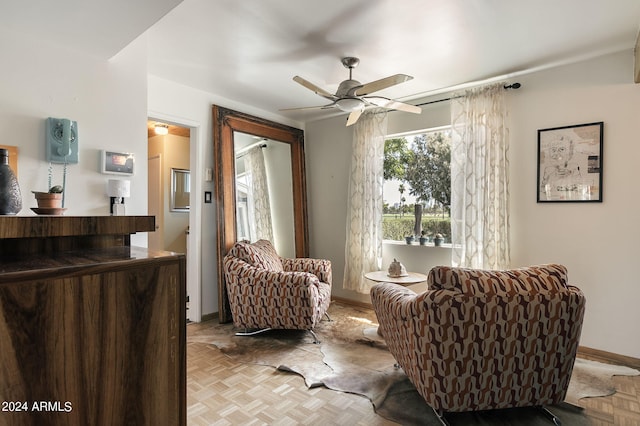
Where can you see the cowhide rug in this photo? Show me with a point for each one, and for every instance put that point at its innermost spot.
(352, 358)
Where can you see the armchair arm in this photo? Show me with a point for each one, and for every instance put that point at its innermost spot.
(392, 304)
(242, 274)
(403, 317)
(321, 268)
(393, 296)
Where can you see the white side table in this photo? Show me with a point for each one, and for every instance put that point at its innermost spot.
(383, 277)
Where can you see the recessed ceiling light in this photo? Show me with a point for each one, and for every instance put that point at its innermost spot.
(161, 129)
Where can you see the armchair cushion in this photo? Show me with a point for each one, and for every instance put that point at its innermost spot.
(260, 254)
(321, 268)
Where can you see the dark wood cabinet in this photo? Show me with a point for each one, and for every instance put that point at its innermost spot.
(92, 335)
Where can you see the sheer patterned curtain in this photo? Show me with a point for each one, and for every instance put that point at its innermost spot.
(261, 211)
(363, 250)
(479, 179)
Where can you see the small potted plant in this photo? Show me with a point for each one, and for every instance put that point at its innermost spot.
(438, 240)
(51, 199)
(423, 238)
(409, 239)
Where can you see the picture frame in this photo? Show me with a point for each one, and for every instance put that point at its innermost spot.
(117, 163)
(180, 190)
(570, 163)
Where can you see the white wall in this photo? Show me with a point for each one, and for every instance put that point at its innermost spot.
(596, 241)
(106, 98)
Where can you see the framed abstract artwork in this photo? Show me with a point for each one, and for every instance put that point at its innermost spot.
(570, 163)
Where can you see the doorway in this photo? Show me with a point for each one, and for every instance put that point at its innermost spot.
(169, 150)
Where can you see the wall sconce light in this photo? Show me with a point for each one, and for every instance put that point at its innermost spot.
(118, 189)
(161, 129)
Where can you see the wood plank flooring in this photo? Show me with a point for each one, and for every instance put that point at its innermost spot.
(223, 392)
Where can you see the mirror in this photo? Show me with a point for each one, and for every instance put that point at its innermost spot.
(243, 186)
(180, 189)
(264, 188)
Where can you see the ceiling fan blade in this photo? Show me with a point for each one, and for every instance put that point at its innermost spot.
(383, 83)
(354, 116)
(391, 104)
(317, 90)
(328, 106)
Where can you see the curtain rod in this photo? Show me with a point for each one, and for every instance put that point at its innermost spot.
(248, 148)
(506, 86)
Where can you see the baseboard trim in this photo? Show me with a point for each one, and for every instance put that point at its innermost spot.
(209, 317)
(351, 302)
(609, 357)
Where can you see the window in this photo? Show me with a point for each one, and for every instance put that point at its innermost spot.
(417, 170)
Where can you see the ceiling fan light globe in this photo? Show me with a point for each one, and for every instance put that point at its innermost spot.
(349, 104)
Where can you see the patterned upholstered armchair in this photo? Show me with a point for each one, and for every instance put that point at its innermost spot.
(481, 340)
(267, 291)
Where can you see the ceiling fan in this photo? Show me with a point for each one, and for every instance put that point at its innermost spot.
(353, 96)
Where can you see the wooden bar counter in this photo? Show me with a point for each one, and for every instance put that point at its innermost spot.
(92, 330)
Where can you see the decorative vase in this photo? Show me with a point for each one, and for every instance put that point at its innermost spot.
(10, 196)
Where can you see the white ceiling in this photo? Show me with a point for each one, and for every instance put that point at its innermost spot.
(249, 50)
(101, 28)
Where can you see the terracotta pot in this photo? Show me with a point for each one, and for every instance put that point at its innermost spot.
(47, 200)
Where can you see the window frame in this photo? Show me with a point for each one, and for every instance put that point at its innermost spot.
(412, 134)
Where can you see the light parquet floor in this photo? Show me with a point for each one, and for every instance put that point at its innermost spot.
(621, 408)
(223, 392)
